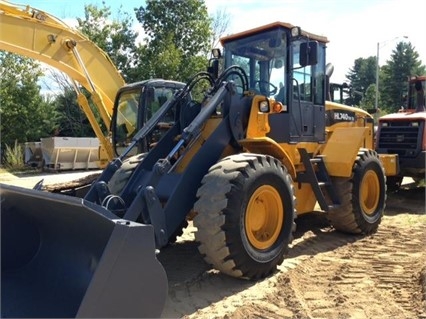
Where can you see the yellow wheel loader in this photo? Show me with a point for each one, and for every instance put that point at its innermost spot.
(260, 148)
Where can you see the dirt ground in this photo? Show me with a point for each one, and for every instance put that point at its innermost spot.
(327, 274)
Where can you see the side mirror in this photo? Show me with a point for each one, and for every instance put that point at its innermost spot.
(308, 53)
(213, 67)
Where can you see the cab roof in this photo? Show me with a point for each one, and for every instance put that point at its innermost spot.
(268, 27)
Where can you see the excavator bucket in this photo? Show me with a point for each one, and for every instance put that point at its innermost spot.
(64, 257)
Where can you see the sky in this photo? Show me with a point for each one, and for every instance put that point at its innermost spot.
(355, 28)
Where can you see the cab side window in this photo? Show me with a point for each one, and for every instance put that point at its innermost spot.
(303, 83)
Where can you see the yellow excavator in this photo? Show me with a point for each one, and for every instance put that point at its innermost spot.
(262, 147)
(39, 35)
(43, 37)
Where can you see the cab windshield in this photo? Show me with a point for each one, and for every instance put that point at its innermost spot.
(135, 106)
(263, 57)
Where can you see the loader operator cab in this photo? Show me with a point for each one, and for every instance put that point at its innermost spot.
(135, 104)
(287, 65)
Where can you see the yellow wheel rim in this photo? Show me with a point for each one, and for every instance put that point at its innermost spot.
(264, 217)
(370, 193)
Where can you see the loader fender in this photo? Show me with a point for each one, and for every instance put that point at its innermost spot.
(64, 257)
(267, 146)
(342, 148)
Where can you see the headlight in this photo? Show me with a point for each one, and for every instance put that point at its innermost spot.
(264, 106)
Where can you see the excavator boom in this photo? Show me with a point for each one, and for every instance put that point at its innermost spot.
(38, 35)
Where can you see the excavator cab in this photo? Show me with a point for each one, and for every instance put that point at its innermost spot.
(135, 104)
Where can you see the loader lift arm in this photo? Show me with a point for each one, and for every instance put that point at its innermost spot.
(38, 35)
(169, 154)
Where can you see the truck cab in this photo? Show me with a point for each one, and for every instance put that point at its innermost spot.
(404, 133)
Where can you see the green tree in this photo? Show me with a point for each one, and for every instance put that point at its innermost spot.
(360, 77)
(369, 99)
(72, 120)
(178, 34)
(162, 62)
(403, 63)
(114, 35)
(25, 114)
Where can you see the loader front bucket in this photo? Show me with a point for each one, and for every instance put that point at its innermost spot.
(64, 257)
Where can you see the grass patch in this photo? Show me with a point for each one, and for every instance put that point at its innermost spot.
(14, 157)
(14, 161)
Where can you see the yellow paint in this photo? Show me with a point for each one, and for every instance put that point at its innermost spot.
(264, 217)
(189, 152)
(341, 150)
(258, 125)
(305, 198)
(267, 146)
(369, 193)
(390, 164)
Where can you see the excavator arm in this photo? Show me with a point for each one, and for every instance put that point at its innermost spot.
(38, 35)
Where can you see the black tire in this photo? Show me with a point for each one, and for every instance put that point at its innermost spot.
(240, 194)
(363, 197)
(122, 175)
